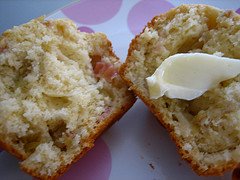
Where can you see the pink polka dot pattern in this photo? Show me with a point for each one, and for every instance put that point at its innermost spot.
(96, 164)
(144, 11)
(85, 29)
(238, 10)
(92, 11)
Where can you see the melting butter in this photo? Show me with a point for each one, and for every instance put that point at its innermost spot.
(188, 76)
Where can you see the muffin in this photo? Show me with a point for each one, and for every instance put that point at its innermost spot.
(206, 129)
(59, 90)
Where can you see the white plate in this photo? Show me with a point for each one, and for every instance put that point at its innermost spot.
(136, 147)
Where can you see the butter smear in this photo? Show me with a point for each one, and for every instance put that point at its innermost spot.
(188, 76)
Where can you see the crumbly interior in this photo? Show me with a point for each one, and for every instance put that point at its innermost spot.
(208, 128)
(51, 101)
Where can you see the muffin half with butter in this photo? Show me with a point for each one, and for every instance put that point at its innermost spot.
(185, 66)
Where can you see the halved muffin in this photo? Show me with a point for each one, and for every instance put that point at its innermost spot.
(206, 129)
(59, 90)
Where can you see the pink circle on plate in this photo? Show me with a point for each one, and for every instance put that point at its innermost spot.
(92, 11)
(144, 11)
(95, 165)
(85, 29)
(238, 10)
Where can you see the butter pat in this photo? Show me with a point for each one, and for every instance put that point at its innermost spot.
(188, 76)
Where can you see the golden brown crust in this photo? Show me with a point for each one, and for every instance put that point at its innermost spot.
(12, 150)
(218, 169)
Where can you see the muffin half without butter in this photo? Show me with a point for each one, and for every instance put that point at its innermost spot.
(185, 66)
(59, 90)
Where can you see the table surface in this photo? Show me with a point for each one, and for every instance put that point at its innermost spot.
(16, 12)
